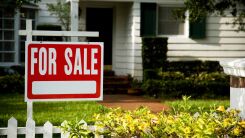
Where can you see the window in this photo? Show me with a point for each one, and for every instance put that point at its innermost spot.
(167, 25)
(7, 50)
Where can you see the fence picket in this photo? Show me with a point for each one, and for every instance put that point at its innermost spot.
(30, 128)
(48, 130)
(12, 128)
(66, 135)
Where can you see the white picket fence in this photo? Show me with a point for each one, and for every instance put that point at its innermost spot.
(31, 129)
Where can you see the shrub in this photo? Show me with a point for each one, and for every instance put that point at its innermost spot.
(190, 67)
(8, 71)
(154, 53)
(12, 84)
(151, 74)
(18, 69)
(152, 87)
(200, 79)
(172, 75)
(217, 122)
(175, 84)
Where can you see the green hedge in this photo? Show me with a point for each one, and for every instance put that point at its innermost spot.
(16, 69)
(3, 71)
(154, 54)
(190, 67)
(175, 84)
(12, 84)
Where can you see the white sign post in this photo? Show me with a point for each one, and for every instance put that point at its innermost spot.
(58, 71)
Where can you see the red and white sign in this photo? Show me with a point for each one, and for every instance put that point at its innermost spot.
(64, 71)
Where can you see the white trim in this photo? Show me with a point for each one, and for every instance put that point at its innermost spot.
(114, 31)
(13, 41)
(7, 64)
(16, 37)
(61, 33)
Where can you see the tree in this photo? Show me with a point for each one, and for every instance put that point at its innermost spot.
(11, 5)
(62, 11)
(199, 9)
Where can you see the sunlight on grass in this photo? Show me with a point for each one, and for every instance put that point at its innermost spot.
(55, 112)
(204, 104)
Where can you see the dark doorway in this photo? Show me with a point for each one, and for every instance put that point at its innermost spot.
(100, 19)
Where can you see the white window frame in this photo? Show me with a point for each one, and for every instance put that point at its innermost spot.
(3, 63)
(22, 62)
(186, 23)
(17, 51)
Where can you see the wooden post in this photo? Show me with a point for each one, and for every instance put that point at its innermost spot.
(74, 18)
(29, 109)
(29, 40)
(30, 128)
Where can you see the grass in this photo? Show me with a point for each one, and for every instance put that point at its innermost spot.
(55, 112)
(204, 104)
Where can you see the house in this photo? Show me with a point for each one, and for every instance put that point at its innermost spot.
(122, 23)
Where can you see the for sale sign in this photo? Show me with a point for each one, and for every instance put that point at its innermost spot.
(64, 71)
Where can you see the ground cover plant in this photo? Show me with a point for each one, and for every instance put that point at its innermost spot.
(55, 112)
(217, 122)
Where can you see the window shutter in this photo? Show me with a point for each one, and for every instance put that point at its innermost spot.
(148, 19)
(198, 29)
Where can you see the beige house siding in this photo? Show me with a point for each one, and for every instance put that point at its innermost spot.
(222, 42)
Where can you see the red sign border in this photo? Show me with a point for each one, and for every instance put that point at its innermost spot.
(63, 97)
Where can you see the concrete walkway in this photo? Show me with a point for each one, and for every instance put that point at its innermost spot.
(131, 102)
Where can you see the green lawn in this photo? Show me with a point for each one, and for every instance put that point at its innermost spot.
(195, 105)
(55, 112)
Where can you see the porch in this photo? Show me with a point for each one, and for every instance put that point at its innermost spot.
(119, 26)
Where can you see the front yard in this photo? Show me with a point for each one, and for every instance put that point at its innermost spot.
(55, 112)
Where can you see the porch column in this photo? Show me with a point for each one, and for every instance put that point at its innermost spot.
(74, 17)
(236, 70)
(137, 71)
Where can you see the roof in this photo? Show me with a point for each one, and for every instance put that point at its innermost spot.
(29, 5)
